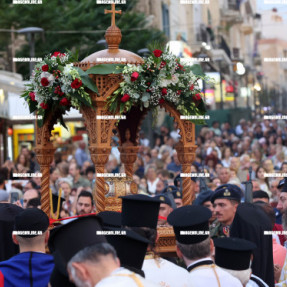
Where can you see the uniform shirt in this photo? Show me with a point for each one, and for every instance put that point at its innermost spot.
(218, 230)
(27, 269)
(122, 277)
(164, 272)
(204, 273)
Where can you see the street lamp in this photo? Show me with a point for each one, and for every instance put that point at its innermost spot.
(30, 32)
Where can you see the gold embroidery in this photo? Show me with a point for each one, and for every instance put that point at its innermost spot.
(132, 276)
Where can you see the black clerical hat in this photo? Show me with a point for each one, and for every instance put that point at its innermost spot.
(164, 199)
(140, 211)
(57, 279)
(190, 223)
(67, 240)
(233, 253)
(55, 199)
(111, 218)
(31, 222)
(227, 191)
(260, 194)
(130, 247)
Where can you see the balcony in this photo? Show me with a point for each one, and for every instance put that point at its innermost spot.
(230, 12)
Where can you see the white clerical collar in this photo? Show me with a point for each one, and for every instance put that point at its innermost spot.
(198, 261)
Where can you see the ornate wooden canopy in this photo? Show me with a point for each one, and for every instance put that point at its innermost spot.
(100, 133)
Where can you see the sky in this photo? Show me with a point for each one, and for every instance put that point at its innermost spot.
(282, 8)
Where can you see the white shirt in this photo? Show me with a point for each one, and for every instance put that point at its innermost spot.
(205, 276)
(152, 186)
(165, 273)
(122, 277)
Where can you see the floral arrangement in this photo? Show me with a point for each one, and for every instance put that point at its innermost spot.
(56, 85)
(160, 79)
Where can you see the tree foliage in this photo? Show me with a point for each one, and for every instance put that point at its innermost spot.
(85, 17)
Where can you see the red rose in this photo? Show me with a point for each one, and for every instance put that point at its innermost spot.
(32, 96)
(161, 101)
(64, 102)
(178, 92)
(76, 84)
(44, 106)
(164, 91)
(191, 87)
(157, 53)
(125, 98)
(44, 82)
(134, 76)
(56, 54)
(45, 68)
(148, 83)
(197, 97)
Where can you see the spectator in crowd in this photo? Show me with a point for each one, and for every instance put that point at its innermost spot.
(54, 176)
(80, 154)
(85, 203)
(152, 179)
(263, 181)
(29, 194)
(224, 175)
(78, 180)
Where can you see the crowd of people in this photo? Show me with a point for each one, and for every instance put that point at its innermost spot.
(237, 251)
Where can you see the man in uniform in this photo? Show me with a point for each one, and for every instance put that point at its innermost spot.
(31, 267)
(156, 269)
(225, 200)
(190, 225)
(165, 208)
(175, 192)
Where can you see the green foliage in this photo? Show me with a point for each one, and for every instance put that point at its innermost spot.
(73, 15)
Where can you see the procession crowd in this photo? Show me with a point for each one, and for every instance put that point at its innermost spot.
(220, 239)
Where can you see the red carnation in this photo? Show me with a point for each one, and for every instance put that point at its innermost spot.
(164, 91)
(125, 98)
(45, 68)
(162, 64)
(134, 76)
(197, 97)
(191, 87)
(32, 96)
(148, 83)
(157, 53)
(56, 54)
(161, 101)
(178, 92)
(44, 82)
(76, 84)
(44, 106)
(64, 102)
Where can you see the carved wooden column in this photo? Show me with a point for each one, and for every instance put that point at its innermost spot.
(45, 154)
(100, 157)
(128, 158)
